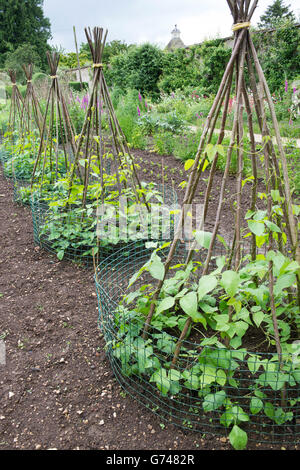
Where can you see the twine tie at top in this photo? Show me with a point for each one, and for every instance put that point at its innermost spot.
(97, 66)
(238, 26)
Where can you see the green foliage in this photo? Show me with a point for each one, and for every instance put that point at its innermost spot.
(71, 228)
(39, 78)
(163, 142)
(224, 304)
(23, 23)
(169, 122)
(130, 106)
(24, 54)
(113, 49)
(181, 68)
(138, 68)
(76, 86)
(215, 56)
(116, 94)
(9, 88)
(275, 14)
(70, 60)
(279, 54)
(77, 115)
(4, 118)
(22, 157)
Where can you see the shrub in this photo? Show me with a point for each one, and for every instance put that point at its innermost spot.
(25, 54)
(139, 68)
(76, 86)
(163, 142)
(22, 89)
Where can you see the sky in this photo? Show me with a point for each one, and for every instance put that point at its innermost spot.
(140, 21)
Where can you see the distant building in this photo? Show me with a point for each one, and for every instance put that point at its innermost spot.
(176, 41)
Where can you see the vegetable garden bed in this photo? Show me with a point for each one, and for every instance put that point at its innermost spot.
(213, 389)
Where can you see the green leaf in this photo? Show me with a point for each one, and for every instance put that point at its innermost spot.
(188, 164)
(221, 377)
(258, 318)
(206, 285)
(256, 405)
(220, 150)
(275, 195)
(273, 227)
(189, 304)
(236, 342)
(230, 281)
(162, 381)
(165, 304)
(174, 375)
(275, 380)
(233, 415)
(269, 410)
(199, 318)
(205, 165)
(60, 254)
(157, 268)
(203, 238)
(260, 215)
(258, 228)
(209, 376)
(253, 364)
(211, 151)
(213, 401)
(282, 417)
(283, 282)
(238, 438)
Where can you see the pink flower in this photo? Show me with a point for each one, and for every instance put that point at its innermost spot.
(139, 111)
(286, 86)
(140, 97)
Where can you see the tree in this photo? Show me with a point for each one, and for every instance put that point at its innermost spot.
(279, 53)
(180, 70)
(23, 22)
(214, 56)
(111, 50)
(276, 14)
(140, 68)
(25, 54)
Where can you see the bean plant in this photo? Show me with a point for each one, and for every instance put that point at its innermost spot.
(229, 381)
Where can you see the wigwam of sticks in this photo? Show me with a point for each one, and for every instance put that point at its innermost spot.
(243, 65)
(57, 132)
(16, 106)
(31, 112)
(95, 149)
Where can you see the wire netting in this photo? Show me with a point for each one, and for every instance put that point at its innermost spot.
(211, 388)
(22, 191)
(78, 228)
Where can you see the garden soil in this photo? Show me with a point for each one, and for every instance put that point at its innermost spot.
(57, 390)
